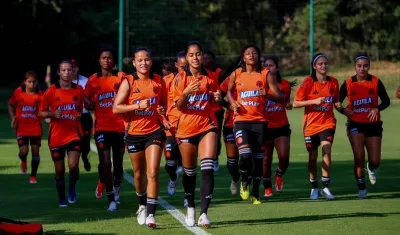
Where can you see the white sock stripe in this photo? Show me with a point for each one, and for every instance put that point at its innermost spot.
(141, 194)
(190, 171)
(258, 155)
(171, 162)
(245, 150)
(152, 201)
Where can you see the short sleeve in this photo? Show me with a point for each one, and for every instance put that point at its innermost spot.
(337, 91)
(163, 93)
(89, 88)
(179, 85)
(224, 85)
(302, 90)
(46, 99)
(14, 97)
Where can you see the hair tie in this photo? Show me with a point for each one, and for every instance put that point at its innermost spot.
(319, 56)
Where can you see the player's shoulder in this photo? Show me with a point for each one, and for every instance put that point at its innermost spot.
(17, 90)
(333, 79)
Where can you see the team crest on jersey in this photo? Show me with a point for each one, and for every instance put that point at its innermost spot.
(331, 91)
(75, 98)
(371, 91)
(259, 83)
(116, 86)
(156, 90)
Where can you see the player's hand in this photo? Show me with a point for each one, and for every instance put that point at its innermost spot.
(57, 114)
(235, 106)
(217, 96)
(373, 115)
(167, 124)
(47, 120)
(319, 100)
(144, 104)
(13, 123)
(193, 86)
(289, 106)
(262, 91)
(161, 110)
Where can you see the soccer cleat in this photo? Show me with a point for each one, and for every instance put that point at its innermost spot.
(86, 164)
(234, 187)
(327, 194)
(99, 190)
(268, 192)
(116, 194)
(244, 193)
(171, 189)
(112, 206)
(255, 201)
(362, 194)
(151, 221)
(204, 221)
(71, 195)
(371, 175)
(278, 183)
(32, 180)
(314, 194)
(179, 170)
(63, 203)
(24, 168)
(190, 217)
(141, 215)
(216, 166)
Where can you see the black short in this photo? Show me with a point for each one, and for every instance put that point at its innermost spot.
(32, 140)
(195, 140)
(105, 140)
(251, 133)
(373, 129)
(219, 115)
(58, 153)
(273, 133)
(137, 143)
(87, 123)
(314, 141)
(229, 136)
(171, 150)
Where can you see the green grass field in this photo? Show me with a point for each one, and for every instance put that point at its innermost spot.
(289, 212)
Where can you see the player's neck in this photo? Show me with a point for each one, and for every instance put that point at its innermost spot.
(106, 72)
(195, 71)
(143, 76)
(360, 78)
(251, 68)
(65, 84)
(29, 91)
(321, 77)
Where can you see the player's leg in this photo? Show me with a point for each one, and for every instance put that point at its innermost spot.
(373, 144)
(282, 145)
(172, 154)
(73, 153)
(58, 155)
(312, 144)
(118, 149)
(326, 138)
(23, 145)
(232, 157)
(87, 125)
(35, 142)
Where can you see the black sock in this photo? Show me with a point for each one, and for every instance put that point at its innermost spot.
(257, 173)
(170, 167)
(267, 183)
(314, 183)
(361, 183)
(233, 167)
(325, 181)
(60, 186)
(85, 147)
(34, 165)
(110, 196)
(142, 198)
(151, 206)
(189, 184)
(245, 165)
(23, 157)
(279, 172)
(207, 183)
(73, 178)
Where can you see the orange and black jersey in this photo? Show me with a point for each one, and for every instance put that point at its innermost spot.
(67, 128)
(215, 74)
(318, 118)
(197, 116)
(248, 87)
(364, 96)
(26, 105)
(276, 112)
(146, 121)
(172, 112)
(229, 114)
(102, 90)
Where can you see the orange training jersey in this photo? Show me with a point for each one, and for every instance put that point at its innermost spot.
(143, 122)
(252, 103)
(172, 113)
(362, 97)
(276, 112)
(215, 76)
(102, 90)
(67, 128)
(197, 116)
(28, 123)
(318, 118)
(228, 119)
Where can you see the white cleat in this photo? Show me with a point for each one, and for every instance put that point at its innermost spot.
(141, 215)
(216, 166)
(362, 194)
(112, 206)
(371, 175)
(116, 194)
(314, 194)
(171, 189)
(235, 187)
(151, 221)
(204, 221)
(190, 217)
(179, 170)
(327, 194)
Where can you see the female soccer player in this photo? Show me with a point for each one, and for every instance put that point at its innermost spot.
(232, 154)
(171, 151)
(278, 135)
(252, 83)
(196, 130)
(109, 128)
(138, 98)
(86, 119)
(208, 62)
(318, 94)
(63, 103)
(364, 126)
(23, 108)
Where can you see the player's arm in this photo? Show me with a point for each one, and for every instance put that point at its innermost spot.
(88, 95)
(224, 88)
(300, 99)
(120, 105)
(273, 86)
(12, 105)
(342, 96)
(44, 109)
(231, 86)
(181, 92)
(383, 95)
